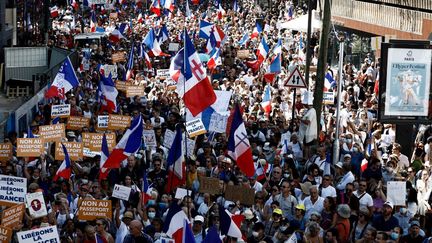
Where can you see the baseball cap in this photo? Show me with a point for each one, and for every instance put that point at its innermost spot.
(388, 203)
(277, 211)
(199, 218)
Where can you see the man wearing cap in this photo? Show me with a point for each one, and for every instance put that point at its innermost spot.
(414, 234)
(273, 224)
(386, 221)
(123, 224)
(348, 177)
(197, 228)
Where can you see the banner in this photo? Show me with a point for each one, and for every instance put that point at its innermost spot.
(12, 190)
(30, 147)
(13, 216)
(395, 194)
(60, 110)
(132, 91)
(74, 149)
(77, 122)
(5, 152)
(121, 192)
(122, 85)
(45, 234)
(149, 137)
(169, 138)
(218, 122)
(52, 133)
(118, 122)
(36, 205)
(94, 209)
(407, 82)
(5, 234)
(195, 128)
(102, 122)
(243, 54)
(93, 141)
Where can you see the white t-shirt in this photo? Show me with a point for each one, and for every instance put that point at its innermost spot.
(365, 200)
(318, 206)
(328, 192)
(122, 231)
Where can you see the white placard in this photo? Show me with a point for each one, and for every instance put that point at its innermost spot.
(103, 121)
(88, 153)
(36, 205)
(149, 138)
(328, 98)
(164, 73)
(13, 181)
(12, 189)
(121, 192)
(396, 192)
(218, 122)
(195, 127)
(45, 234)
(98, 1)
(60, 110)
(168, 138)
(110, 69)
(181, 193)
(173, 46)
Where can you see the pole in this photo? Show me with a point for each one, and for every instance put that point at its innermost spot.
(293, 108)
(336, 147)
(308, 51)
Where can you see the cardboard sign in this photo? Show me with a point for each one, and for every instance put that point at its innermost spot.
(45, 234)
(12, 190)
(13, 216)
(77, 122)
(209, 185)
(94, 209)
(5, 152)
(243, 54)
(113, 15)
(122, 85)
(60, 110)
(93, 141)
(5, 234)
(173, 46)
(163, 73)
(36, 205)
(102, 122)
(328, 98)
(74, 149)
(118, 122)
(132, 91)
(149, 137)
(243, 194)
(121, 192)
(30, 147)
(118, 57)
(395, 194)
(52, 133)
(195, 128)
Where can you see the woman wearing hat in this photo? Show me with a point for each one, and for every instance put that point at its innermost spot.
(342, 223)
(360, 226)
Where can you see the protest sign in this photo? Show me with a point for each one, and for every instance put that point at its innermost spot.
(93, 141)
(74, 149)
(94, 209)
(77, 122)
(243, 54)
(5, 234)
(113, 16)
(181, 193)
(245, 195)
(90, 154)
(52, 133)
(121, 192)
(195, 128)
(209, 185)
(13, 216)
(102, 122)
(36, 205)
(168, 138)
(30, 147)
(149, 138)
(44, 234)
(190, 147)
(122, 85)
(118, 122)
(132, 91)
(110, 69)
(118, 57)
(395, 194)
(218, 122)
(12, 190)
(5, 152)
(60, 110)
(98, 1)
(173, 46)
(328, 98)
(163, 73)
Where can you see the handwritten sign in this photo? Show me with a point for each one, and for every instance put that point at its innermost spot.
(5, 234)
(29, 147)
(52, 133)
(118, 57)
(132, 91)
(45, 234)
(149, 137)
(328, 98)
(36, 204)
(93, 141)
(218, 122)
(12, 190)
(5, 152)
(110, 69)
(169, 138)
(77, 122)
(102, 122)
(195, 128)
(181, 193)
(209, 185)
(245, 195)
(13, 216)
(243, 54)
(122, 85)
(74, 149)
(163, 73)
(395, 194)
(121, 192)
(94, 209)
(60, 110)
(118, 122)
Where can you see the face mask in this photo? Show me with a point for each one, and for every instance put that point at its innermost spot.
(348, 140)
(355, 150)
(35, 177)
(283, 228)
(151, 215)
(255, 234)
(403, 210)
(394, 235)
(286, 175)
(44, 225)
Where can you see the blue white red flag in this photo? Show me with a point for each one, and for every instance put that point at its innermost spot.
(266, 103)
(176, 162)
(205, 29)
(65, 170)
(230, 223)
(130, 64)
(103, 171)
(93, 21)
(244, 39)
(64, 81)
(174, 221)
(146, 189)
(108, 94)
(152, 43)
(215, 60)
(188, 236)
(256, 31)
(176, 66)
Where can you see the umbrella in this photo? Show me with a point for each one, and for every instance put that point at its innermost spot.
(203, 57)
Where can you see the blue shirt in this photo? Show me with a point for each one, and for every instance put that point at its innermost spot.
(381, 225)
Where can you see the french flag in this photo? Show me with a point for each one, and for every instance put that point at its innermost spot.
(140, 18)
(205, 29)
(156, 7)
(244, 39)
(103, 171)
(259, 170)
(117, 34)
(64, 81)
(151, 42)
(93, 21)
(230, 223)
(176, 162)
(146, 189)
(174, 222)
(220, 12)
(212, 236)
(239, 148)
(147, 60)
(162, 34)
(129, 144)
(364, 165)
(266, 103)
(275, 60)
(130, 64)
(215, 60)
(65, 170)
(54, 12)
(329, 82)
(219, 35)
(188, 235)
(108, 94)
(263, 50)
(169, 4)
(269, 77)
(75, 5)
(176, 66)
(195, 89)
(256, 31)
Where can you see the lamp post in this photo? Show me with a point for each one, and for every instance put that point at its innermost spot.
(336, 144)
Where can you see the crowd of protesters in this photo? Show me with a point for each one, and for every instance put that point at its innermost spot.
(302, 192)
